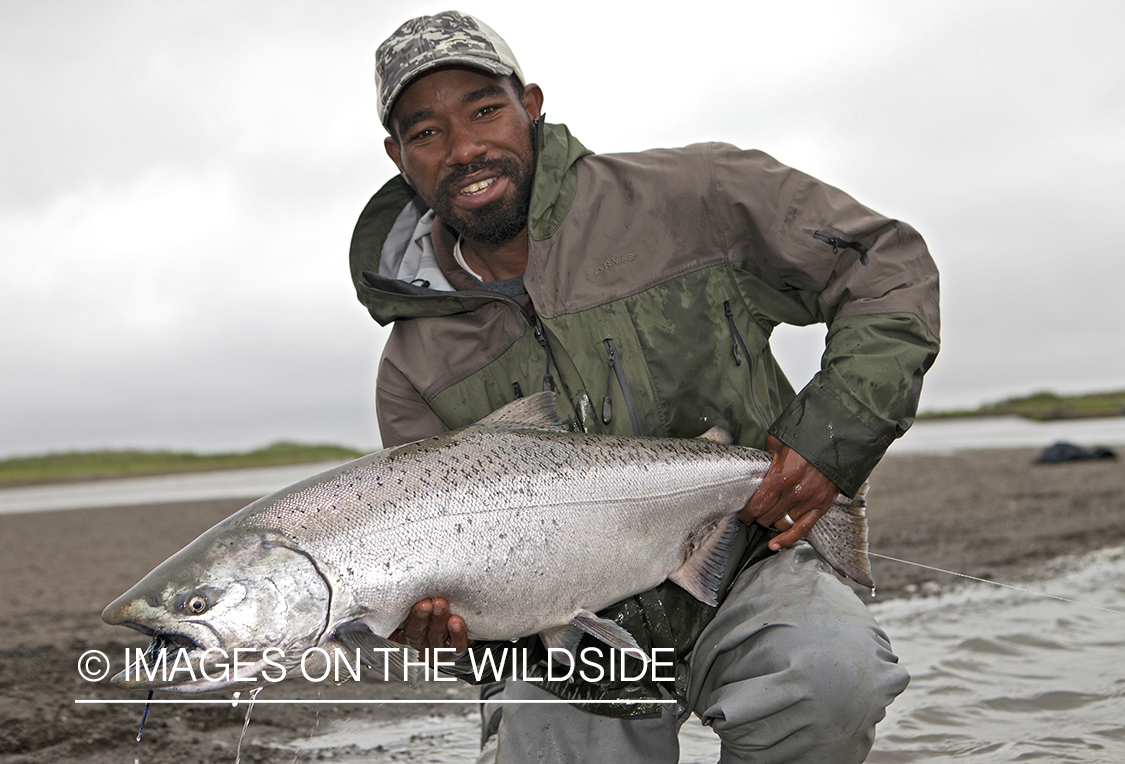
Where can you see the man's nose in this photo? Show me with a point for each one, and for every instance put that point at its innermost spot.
(465, 145)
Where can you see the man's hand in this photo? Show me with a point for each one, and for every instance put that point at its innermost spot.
(430, 624)
(790, 487)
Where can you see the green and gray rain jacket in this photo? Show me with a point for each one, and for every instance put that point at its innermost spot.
(656, 279)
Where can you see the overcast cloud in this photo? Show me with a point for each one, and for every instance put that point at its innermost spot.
(179, 182)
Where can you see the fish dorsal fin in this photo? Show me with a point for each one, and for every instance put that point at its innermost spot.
(717, 435)
(535, 412)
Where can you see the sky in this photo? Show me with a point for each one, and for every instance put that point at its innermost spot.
(179, 183)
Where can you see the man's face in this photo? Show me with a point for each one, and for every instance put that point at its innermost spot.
(466, 145)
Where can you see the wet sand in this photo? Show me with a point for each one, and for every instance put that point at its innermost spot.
(989, 514)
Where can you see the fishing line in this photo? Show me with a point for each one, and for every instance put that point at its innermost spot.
(996, 583)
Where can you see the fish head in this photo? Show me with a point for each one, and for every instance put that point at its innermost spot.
(223, 611)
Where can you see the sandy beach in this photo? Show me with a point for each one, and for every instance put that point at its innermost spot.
(989, 514)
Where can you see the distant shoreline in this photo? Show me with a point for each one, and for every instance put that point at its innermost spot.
(1043, 407)
(93, 466)
(88, 466)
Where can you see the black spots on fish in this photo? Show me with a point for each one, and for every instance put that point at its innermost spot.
(351, 571)
(457, 527)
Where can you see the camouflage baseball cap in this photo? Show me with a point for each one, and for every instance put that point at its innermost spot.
(427, 42)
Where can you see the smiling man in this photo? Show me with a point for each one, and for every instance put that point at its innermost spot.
(643, 289)
(465, 142)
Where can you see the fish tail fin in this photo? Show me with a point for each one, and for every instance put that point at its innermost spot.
(706, 559)
(840, 536)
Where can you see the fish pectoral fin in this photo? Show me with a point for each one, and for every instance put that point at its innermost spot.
(607, 631)
(702, 570)
(534, 412)
(562, 642)
(717, 435)
(372, 649)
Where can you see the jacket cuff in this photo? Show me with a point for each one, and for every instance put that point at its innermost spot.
(831, 430)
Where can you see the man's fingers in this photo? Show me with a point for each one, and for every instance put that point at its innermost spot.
(438, 631)
(415, 627)
(458, 634)
(791, 534)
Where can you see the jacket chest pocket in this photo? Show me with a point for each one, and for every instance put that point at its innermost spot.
(607, 353)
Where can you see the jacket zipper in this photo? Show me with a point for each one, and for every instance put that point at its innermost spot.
(838, 244)
(736, 343)
(541, 338)
(614, 370)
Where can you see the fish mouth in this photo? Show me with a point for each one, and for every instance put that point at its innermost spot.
(176, 662)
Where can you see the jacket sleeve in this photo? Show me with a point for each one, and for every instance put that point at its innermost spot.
(403, 414)
(827, 258)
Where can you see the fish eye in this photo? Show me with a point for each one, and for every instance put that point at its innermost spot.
(196, 604)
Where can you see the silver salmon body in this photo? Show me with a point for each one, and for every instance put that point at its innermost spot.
(524, 527)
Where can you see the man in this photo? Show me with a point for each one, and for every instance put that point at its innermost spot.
(643, 289)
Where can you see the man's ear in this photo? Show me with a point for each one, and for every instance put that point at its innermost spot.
(394, 151)
(533, 100)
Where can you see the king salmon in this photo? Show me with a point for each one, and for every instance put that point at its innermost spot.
(523, 526)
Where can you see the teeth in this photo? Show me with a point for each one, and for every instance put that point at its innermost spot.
(476, 188)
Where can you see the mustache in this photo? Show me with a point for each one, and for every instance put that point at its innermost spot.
(506, 165)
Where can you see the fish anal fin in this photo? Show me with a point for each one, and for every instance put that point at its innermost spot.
(533, 412)
(705, 561)
(562, 642)
(372, 649)
(607, 631)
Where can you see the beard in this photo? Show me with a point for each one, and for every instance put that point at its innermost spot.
(503, 219)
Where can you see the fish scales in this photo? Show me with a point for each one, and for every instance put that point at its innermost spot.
(502, 523)
(519, 524)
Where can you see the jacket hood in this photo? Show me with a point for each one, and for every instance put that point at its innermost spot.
(394, 276)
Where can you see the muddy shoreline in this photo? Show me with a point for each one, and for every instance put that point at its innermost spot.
(989, 514)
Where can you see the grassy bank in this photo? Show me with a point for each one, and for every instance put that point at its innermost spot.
(88, 465)
(1044, 406)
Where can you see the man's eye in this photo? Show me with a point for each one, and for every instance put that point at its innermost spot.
(422, 134)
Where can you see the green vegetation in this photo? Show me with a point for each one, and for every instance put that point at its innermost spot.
(87, 465)
(1045, 405)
